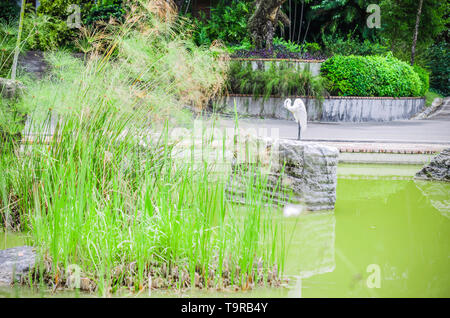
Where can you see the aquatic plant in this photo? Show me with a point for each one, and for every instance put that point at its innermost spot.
(98, 193)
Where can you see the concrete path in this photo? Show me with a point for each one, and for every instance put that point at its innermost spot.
(443, 113)
(405, 131)
(397, 142)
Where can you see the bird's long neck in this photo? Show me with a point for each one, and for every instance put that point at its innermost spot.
(288, 104)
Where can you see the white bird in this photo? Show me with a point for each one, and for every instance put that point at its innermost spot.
(299, 112)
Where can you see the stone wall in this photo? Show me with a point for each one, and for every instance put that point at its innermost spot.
(332, 109)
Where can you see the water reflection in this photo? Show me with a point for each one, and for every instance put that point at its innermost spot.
(438, 194)
(313, 244)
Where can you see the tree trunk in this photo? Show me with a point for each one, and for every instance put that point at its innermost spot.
(416, 32)
(263, 22)
(17, 49)
(301, 22)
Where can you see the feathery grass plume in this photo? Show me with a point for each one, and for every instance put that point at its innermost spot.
(97, 184)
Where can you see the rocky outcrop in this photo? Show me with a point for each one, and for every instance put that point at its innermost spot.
(15, 263)
(10, 88)
(438, 169)
(298, 172)
(33, 62)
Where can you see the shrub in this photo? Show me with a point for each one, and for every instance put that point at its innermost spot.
(289, 45)
(104, 13)
(281, 80)
(282, 49)
(439, 65)
(46, 33)
(58, 8)
(424, 76)
(371, 76)
(312, 48)
(335, 45)
(228, 22)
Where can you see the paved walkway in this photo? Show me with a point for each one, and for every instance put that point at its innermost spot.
(443, 113)
(406, 131)
(407, 141)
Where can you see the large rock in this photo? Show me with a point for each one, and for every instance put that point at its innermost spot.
(10, 88)
(304, 173)
(438, 169)
(15, 263)
(33, 62)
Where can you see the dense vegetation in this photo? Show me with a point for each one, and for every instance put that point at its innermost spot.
(318, 29)
(372, 76)
(339, 28)
(124, 207)
(279, 80)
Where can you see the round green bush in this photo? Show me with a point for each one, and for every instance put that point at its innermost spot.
(371, 76)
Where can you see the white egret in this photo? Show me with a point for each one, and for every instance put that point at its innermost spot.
(299, 112)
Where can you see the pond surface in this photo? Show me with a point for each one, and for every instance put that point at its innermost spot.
(388, 237)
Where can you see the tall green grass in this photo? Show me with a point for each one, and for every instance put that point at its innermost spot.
(96, 182)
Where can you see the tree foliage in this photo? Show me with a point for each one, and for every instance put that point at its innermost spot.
(439, 65)
(227, 22)
(398, 24)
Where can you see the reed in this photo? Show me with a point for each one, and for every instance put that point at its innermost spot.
(94, 191)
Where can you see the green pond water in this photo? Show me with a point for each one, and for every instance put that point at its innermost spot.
(388, 237)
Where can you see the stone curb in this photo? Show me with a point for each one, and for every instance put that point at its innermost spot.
(393, 148)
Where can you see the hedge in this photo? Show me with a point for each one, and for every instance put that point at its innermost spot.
(371, 76)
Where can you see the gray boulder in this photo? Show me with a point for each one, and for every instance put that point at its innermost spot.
(10, 88)
(15, 263)
(305, 173)
(438, 169)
